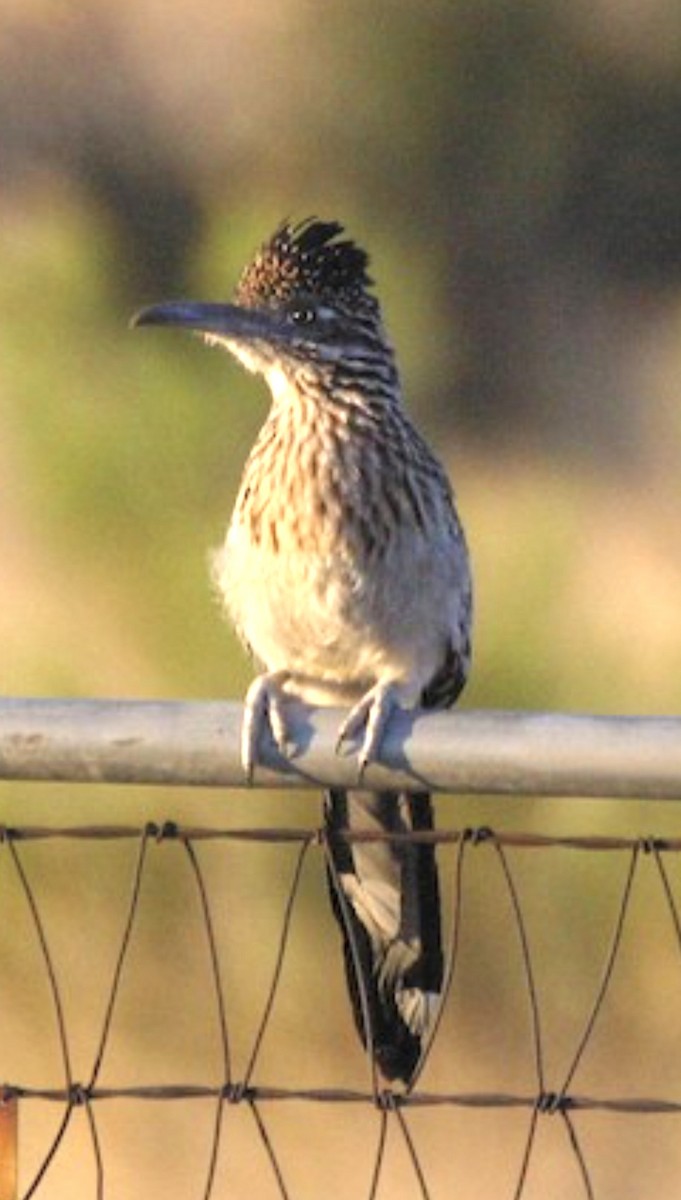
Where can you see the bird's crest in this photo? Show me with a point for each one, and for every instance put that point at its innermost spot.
(307, 259)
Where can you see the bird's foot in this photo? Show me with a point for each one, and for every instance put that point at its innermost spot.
(371, 714)
(264, 704)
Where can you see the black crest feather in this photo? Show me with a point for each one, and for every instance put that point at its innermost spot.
(308, 258)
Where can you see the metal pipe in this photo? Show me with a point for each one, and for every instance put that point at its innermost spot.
(197, 743)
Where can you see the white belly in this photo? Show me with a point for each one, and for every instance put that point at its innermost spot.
(337, 628)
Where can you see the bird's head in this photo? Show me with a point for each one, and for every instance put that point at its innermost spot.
(303, 303)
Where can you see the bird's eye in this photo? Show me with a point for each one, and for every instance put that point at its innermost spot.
(302, 316)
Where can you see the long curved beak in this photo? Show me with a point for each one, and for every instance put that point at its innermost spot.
(222, 320)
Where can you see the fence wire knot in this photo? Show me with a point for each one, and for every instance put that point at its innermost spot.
(79, 1094)
(652, 845)
(387, 1101)
(235, 1093)
(476, 835)
(553, 1102)
(166, 831)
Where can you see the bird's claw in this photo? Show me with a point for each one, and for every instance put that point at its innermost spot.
(371, 714)
(264, 704)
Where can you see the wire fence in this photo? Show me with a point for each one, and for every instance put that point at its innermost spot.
(552, 1094)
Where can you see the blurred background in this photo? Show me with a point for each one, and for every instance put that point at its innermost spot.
(515, 171)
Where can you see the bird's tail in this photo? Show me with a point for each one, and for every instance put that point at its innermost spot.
(385, 897)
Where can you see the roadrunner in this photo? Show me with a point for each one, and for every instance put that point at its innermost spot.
(345, 571)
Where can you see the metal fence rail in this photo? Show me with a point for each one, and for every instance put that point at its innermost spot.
(197, 743)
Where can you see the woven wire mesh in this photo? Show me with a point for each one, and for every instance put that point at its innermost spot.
(395, 1141)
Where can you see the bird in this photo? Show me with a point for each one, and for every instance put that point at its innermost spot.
(346, 572)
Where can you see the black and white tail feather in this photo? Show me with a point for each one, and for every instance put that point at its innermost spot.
(389, 915)
(389, 912)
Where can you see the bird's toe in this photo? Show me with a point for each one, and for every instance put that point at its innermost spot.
(263, 707)
(370, 717)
